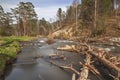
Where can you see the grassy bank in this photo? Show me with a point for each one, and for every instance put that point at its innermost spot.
(15, 38)
(8, 52)
(9, 48)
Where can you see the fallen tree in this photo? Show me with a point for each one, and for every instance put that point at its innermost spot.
(97, 55)
(85, 71)
(101, 56)
(70, 48)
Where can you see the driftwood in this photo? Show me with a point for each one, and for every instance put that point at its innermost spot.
(57, 56)
(52, 62)
(94, 71)
(98, 54)
(85, 71)
(106, 62)
(83, 75)
(102, 58)
(74, 76)
(71, 48)
(91, 68)
(71, 68)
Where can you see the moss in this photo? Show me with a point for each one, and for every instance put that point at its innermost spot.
(16, 38)
(8, 52)
(10, 49)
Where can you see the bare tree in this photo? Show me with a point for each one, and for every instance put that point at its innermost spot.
(95, 16)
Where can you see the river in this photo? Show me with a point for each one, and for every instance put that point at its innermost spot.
(28, 68)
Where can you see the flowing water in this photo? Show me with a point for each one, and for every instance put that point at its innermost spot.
(27, 67)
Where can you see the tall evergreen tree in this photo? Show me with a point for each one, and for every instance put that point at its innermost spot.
(25, 12)
(5, 23)
(87, 12)
(59, 15)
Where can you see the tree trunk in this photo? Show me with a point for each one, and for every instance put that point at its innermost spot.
(24, 25)
(73, 76)
(85, 71)
(95, 18)
(106, 62)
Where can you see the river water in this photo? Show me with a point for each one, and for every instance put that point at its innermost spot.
(28, 68)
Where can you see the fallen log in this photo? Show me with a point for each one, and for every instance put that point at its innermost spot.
(52, 62)
(70, 67)
(57, 57)
(91, 68)
(106, 62)
(85, 71)
(86, 49)
(66, 67)
(73, 76)
(94, 71)
(101, 58)
(71, 48)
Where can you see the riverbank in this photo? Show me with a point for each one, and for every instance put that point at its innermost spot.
(9, 48)
(8, 53)
(29, 64)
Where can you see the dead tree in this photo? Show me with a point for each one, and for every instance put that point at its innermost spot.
(85, 71)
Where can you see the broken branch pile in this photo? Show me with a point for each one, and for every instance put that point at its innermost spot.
(103, 58)
(94, 57)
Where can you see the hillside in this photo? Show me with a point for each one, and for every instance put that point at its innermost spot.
(111, 30)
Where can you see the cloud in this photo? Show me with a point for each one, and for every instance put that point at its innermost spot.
(7, 7)
(44, 8)
(51, 2)
(48, 12)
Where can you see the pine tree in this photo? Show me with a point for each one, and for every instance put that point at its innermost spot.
(25, 12)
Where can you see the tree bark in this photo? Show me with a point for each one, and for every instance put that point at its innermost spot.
(24, 25)
(85, 71)
(106, 62)
(71, 68)
(73, 76)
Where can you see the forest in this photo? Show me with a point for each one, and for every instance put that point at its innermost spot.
(98, 18)
(88, 28)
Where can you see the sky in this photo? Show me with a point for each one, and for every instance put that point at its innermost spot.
(43, 8)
